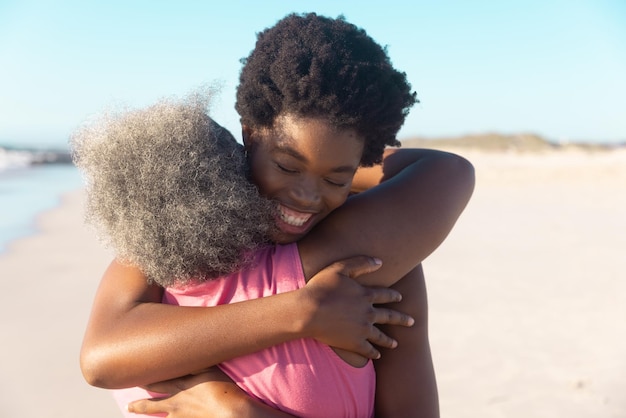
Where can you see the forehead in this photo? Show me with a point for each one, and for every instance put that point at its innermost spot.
(315, 138)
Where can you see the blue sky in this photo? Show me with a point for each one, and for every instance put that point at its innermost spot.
(555, 68)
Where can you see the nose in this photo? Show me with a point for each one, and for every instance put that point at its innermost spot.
(306, 192)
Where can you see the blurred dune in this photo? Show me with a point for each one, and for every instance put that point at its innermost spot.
(494, 142)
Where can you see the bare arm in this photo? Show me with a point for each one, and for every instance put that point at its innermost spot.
(368, 177)
(406, 385)
(133, 339)
(405, 377)
(129, 323)
(401, 221)
(206, 395)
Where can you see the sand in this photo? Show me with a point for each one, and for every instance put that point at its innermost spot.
(527, 294)
(527, 297)
(47, 282)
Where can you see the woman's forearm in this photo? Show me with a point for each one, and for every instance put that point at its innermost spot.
(133, 339)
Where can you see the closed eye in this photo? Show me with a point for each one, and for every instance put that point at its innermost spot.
(285, 169)
(335, 183)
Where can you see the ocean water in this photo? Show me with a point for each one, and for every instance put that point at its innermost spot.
(28, 190)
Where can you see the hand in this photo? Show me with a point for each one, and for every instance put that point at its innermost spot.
(209, 394)
(343, 312)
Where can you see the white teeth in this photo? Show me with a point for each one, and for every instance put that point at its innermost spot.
(293, 220)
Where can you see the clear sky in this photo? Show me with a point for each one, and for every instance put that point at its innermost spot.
(555, 68)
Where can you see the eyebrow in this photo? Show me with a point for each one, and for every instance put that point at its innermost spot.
(285, 149)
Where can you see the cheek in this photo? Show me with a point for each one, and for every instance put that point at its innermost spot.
(264, 185)
(336, 199)
(267, 181)
(260, 175)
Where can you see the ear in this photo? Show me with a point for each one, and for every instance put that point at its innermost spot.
(246, 134)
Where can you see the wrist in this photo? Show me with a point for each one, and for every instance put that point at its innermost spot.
(302, 313)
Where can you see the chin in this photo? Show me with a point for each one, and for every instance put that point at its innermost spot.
(284, 238)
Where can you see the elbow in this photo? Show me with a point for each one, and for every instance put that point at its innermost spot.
(456, 179)
(96, 369)
(467, 175)
(461, 176)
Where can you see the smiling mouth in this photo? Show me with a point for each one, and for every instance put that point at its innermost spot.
(291, 217)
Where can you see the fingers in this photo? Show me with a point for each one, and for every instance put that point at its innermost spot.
(391, 317)
(380, 295)
(376, 336)
(382, 340)
(354, 267)
(367, 350)
(148, 406)
(387, 317)
(379, 338)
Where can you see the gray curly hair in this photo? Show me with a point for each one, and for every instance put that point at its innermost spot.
(168, 190)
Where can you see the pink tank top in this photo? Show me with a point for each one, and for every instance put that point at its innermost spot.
(301, 377)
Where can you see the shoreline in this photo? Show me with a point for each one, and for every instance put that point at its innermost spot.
(38, 222)
(49, 280)
(26, 193)
(526, 297)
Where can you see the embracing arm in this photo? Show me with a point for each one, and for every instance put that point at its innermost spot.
(133, 339)
(401, 221)
(210, 394)
(128, 323)
(368, 177)
(405, 382)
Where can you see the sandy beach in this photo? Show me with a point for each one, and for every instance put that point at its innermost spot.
(527, 294)
(527, 297)
(48, 282)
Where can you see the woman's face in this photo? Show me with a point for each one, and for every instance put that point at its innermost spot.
(306, 166)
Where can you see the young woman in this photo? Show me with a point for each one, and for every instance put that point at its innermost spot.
(317, 98)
